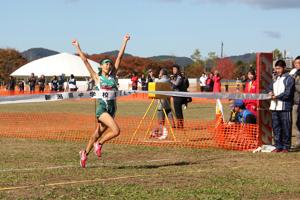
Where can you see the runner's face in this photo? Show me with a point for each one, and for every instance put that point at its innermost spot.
(251, 77)
(106, 67)
(297, 64)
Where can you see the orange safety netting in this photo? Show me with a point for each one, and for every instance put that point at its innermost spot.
(80, 127)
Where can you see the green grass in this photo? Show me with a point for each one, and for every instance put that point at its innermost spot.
(139, 172)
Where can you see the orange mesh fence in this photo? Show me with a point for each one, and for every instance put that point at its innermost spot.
(134, 131)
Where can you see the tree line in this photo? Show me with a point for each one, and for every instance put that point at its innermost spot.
(11, 60)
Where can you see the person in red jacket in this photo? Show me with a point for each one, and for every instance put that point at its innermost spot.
(134, 80)
(251, 87)
(217, 82)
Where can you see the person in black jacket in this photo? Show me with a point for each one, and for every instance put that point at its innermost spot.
(186, 85)
(178, 85)
(31, 82)
(11, 84)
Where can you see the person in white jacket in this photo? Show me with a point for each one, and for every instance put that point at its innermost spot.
(202, 81)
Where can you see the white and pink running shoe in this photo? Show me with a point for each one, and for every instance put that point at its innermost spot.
(97, 149)
(83, 158)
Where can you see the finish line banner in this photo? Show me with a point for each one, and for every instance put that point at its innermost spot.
(109, 95)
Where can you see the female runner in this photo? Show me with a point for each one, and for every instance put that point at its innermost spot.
(107, 108)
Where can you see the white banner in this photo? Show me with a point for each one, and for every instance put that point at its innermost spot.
(47, 97)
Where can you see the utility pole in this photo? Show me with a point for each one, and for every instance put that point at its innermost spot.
(222, 51)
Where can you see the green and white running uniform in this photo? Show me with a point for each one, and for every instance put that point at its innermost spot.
(106, 104)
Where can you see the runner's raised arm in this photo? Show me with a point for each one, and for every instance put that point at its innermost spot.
(120, 55)
(86, 62)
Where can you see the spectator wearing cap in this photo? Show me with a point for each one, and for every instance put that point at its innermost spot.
(245, 116)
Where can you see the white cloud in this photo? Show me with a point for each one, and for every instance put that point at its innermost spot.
(264, 4)
(272, 34)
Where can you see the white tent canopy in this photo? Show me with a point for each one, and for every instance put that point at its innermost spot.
(63, 63)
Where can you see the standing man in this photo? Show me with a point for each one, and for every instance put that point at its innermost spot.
(32, 81)
(186, 85)
(296, 116)
(202, 81)
(282, 89)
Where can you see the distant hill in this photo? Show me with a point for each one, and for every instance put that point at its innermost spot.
(246, 57)
(35, 53)
(115, 53)
(182, 61)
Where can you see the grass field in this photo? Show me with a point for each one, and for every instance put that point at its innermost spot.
(49, 169)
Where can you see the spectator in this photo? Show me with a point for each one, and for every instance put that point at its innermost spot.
(212, 83)
(11, 84)
(217, 82)
(60, 83)
(237, 84)
(244, 80)
(32, 81)
(233, 115)
(150, 78)
(202, 81)
(54, 83)
(296, 116)
(21, 86)
(91, 83)
(208, 81)
(163, 78)
(143, 82)
(282, 90)
(186, 86)
(226, 86)
(178, 85)
(134, 80)
(42, 81)
(251, 87)
(245, 116)
(72, 83)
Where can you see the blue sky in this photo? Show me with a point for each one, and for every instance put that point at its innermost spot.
(156, 27)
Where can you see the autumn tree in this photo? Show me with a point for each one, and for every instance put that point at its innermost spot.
(226, 68)
(10, 61)
(193, 71)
